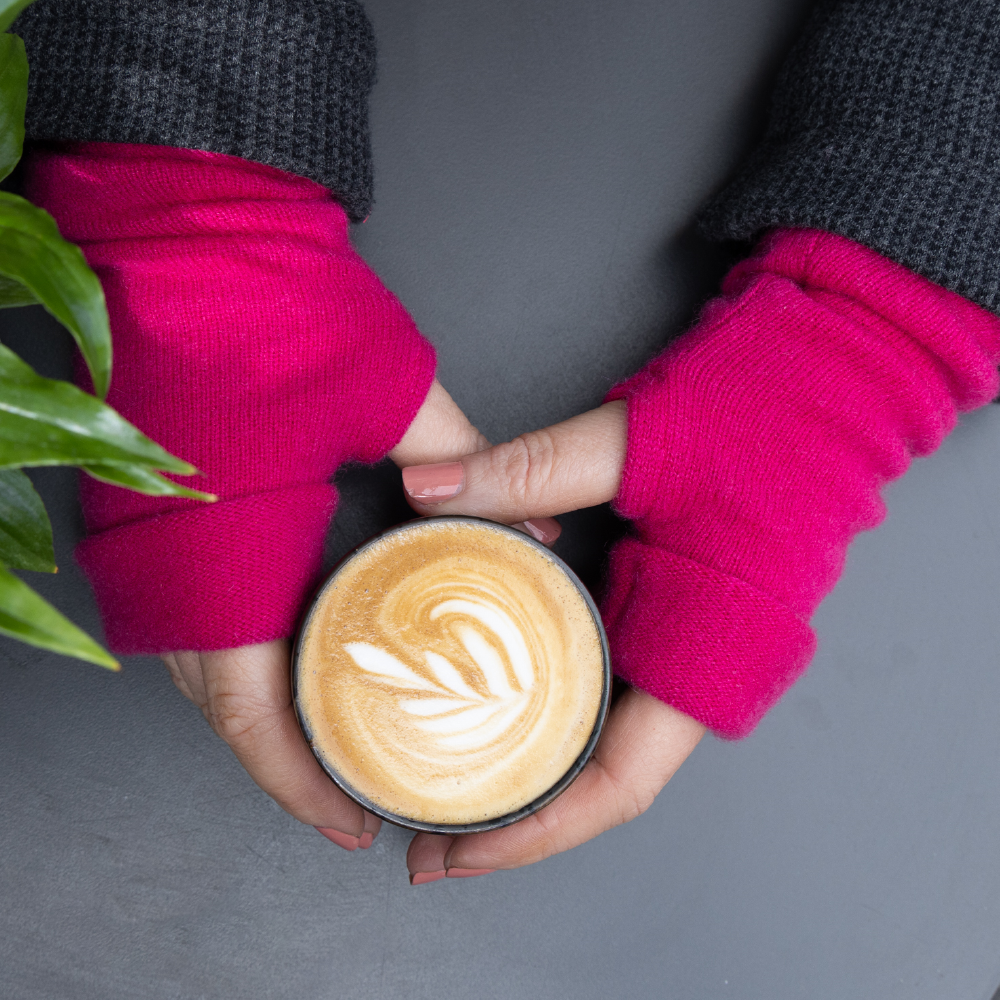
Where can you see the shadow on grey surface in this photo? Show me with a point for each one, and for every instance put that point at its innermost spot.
(39, 339)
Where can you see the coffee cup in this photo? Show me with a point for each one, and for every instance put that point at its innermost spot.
(452, 675)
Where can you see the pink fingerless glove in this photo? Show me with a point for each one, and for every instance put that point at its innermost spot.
(250, 340)
(757, 446)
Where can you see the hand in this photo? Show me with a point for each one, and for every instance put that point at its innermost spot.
(245, 694)
(575, 464)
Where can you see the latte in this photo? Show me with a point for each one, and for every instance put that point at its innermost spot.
(451, 672)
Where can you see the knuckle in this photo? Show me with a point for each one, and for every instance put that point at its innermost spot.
(550, 835)
(236, 717)
(629, 801)
(526, 464)
(632, 803)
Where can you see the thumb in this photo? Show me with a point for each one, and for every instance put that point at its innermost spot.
(440, 432)
(575, 464)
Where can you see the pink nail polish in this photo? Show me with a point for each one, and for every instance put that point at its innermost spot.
(543, 529)
(468, 872)
(434, 483)
(366, 840)
(422, 878)
(344, 840)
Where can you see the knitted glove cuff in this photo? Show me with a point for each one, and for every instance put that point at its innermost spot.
(214, 577)
(732, 650)
(757, 446)
(250, 340)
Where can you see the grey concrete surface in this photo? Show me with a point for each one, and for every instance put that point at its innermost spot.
(538, 165)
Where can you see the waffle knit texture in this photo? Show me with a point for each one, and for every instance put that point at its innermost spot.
(885, 128)
(280, 82)
(250, 340)
(757, 446)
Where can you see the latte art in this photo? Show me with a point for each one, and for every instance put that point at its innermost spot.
(465, 718)
(450, 673)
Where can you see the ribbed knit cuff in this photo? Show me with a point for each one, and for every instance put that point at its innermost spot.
(733, 650)
(281, 82)
(212, 577)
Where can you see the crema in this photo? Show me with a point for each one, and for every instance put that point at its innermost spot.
(450, 672)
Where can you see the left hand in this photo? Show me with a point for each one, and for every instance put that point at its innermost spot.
(575, 464)
(245, 694)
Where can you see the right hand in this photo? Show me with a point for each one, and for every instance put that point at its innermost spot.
(571, 465)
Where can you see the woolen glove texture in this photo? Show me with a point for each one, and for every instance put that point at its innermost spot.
(250, 340)
(885, 128)
(281, 82)
(757, 446)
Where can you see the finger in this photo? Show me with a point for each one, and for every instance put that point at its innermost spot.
(425, 857)
(543, 529)
(575, 464)
(440, 432)
(644, 743)
(249, 704)
(185, 672)
(372, 826)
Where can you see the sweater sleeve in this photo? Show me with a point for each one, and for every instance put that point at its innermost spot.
(279, 82)
(885, 128)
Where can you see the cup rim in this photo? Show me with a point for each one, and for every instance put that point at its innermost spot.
(483, 825)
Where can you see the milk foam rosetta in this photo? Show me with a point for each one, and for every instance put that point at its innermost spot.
(451, 672)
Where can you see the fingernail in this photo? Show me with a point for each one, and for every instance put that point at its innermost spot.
(543, 529)
(422, 878)
(434, 483)
(468, 872)
(366, 840)
(344, 840)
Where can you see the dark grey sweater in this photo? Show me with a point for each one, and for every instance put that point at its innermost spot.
(282, 82)
(885, 124)
(885, 128)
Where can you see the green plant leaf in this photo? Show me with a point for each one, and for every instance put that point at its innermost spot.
(9, 9)
(33, 253)
(134, 477)
(13, 97)
(27, 616)
(13, 293)
(25, 531)
(47, 422)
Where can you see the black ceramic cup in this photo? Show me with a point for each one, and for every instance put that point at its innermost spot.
(556, 788)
